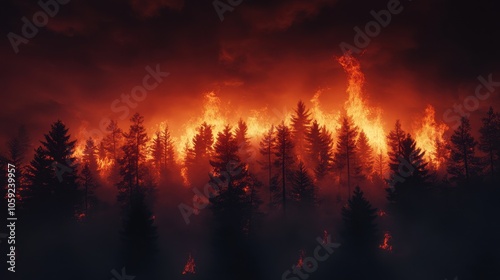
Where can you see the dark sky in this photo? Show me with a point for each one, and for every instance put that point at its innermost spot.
(264, 53)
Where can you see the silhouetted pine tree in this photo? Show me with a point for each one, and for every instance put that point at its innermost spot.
(411, 174)
(89, 184)
(233, 208)
(303, 192)
(17, 147)
(319, 147)
(157, 153)
(463, 163)
(113, 141)
(230, 177)
(243, 141)
(53, 175)
(364, 156)
(90, 157)
(301, 120)
(266, 150)
(345, 152)
(360, 230)
(359, 239)
(112, 144)
(197, 157)
(139, 234)
(394, 140)
(489, 141)
(284, 158)
(168, 148)
(132, 163)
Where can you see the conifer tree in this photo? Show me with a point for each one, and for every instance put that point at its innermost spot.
(243, 141)
(266, 150)
(231, 179)
(364, 156)
(17, 148)
(132, 163)
(360, 229)
(168, 148)
(463, 163)
(301, 121)
(284, 158)
(410, 173)
(489, 141)
(113, 141)
(303, 190)
(90, 156)
(345, 151)
(319, 147)
(53, 175)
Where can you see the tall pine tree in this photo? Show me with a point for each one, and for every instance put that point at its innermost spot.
(345, 151)
(132, 163)
(53, 175)
(463, 163)
(489, 141)
(284, 159)
(301, 120)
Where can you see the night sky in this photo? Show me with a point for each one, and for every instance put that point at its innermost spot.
(264, 53)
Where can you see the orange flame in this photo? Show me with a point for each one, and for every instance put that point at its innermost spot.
(385, 245)
(368, 119)
(190, 266)
(429, 134)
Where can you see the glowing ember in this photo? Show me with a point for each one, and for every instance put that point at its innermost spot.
(325, 237)
(385, 245)
(428, 135)
(381, 213)
(300, 262)
(368, 119)
(190, 266)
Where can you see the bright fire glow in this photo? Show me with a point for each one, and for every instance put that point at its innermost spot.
(364, 117)
(428, 134)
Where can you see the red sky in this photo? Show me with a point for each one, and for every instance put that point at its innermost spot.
(264, 53)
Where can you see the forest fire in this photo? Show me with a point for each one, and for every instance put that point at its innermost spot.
(385, 244)
(190, 267)
(368, 119)
(430, 136)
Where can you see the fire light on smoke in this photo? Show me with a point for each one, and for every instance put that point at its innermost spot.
(190, 266)
(366, 118)
(428, 135)
(385, 244)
